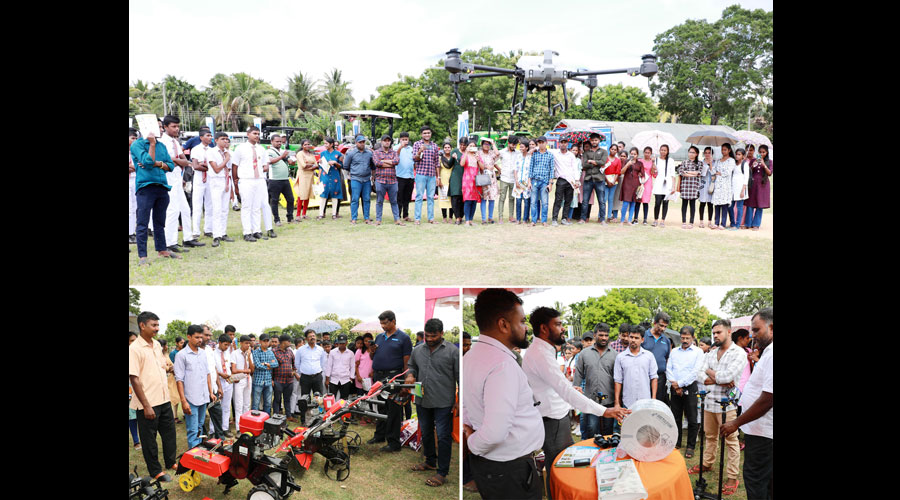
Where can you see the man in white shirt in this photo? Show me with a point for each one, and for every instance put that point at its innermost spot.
(509, 158)
(222, 354)
(242, 364)
(214, 409)
(568, 171)
(250, 164)
(310, 361)
(553, 392)
(177, 201)
(220, 187)
(681, 374)
(201, 196)
(501, 425)
(757, 419)
(339, 369)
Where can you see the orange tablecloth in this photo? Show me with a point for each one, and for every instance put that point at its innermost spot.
(666, 479)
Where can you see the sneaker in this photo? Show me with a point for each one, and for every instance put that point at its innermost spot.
(565, 222)
(554, 223)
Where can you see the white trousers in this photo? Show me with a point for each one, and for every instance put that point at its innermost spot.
(295, 393)
(227, 390)
(266, 208)
(242, 391)
(132, 207)
(177, 204)
(253, 196)
(201, 199)
(219, 200)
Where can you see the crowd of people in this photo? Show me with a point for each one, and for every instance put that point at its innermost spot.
(731, 190)
(534, 388)
(234, 374)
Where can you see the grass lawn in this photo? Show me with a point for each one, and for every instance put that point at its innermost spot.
(373, 475)
(334, 252)
(712, 478)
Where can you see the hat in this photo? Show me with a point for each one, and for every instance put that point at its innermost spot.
(360, 137)
(341, 339)
(541, 138)
(486, 139)
(385, 136)
(563, 139)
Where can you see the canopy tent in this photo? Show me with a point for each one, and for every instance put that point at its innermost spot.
(435, 297)
(624, 131)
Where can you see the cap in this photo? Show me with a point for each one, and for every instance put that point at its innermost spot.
(385, 136)
(360, 137)
(563, 139)
(341, 339)
(541, 138)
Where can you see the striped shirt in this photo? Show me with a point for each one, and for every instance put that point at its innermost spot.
(263, 375)
(385, 175)
(728, 369)
(541, 166)
(428, 164)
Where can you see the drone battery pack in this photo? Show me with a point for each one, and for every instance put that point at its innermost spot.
(253, 422)
(204, 462)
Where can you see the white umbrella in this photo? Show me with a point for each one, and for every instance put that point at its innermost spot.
(655, 139)
(712, 138)
(749, 137)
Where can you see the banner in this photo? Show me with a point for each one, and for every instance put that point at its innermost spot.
(258, 123)
(339, 130)
(355, 128)
(211, 124)
(462, 125)
(130, 121)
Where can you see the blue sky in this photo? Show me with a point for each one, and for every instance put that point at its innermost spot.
(371, 42)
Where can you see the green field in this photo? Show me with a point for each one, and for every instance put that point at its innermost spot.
(334, 252)
(373, 474)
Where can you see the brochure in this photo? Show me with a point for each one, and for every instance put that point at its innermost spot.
(577, 456)
(619, 481)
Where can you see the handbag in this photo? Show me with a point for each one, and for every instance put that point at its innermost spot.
(639, 193)
(482, 180)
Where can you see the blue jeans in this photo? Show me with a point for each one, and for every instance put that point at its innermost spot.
(752, 217)
(439, 419)
(735, 212)
(193, 422)
(358, 188)
(519, 211)
(391, 190)
(153, 198)
(539, 197)
(610, 199)
(598, 188)
(721, 215)
(264, 391)
(469, 209)
(628, 209)
(425, 186)
(490, 211)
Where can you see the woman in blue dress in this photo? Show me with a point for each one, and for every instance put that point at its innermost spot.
(332, 180)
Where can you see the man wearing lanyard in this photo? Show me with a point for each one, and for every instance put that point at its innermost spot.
(659, 344)
(502, 426)
(426, 155)
(391, 358)
(177, 200)
(200, 193)
(279, 179)
(551, 388)
(251, 164)
(310, 362)
(568, 170)
(219, 175)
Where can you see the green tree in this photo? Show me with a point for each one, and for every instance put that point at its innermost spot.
(294, 330)
(453, 336)
(134, 301)
(720, 66)
(176, 328)
(239, 98)
(616, 103)
(611, 309)
(681, 304)
(335, 92)
(746, 301)
(469, 324)
(301, 96)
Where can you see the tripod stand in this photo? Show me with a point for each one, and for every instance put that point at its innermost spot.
(700, 485)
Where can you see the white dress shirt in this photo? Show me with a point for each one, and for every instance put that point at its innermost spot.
(499, 404)
(211, 361)
(509, 160)
(243, 159)
(241, 360)
(174, 149)
(760, 380)
(310, 361)
(217, 156)
(549, 384)
(568, 166)
(683, 366)
(221, 356)
(340, 367)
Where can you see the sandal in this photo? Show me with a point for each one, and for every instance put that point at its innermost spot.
(471, 487)
(684, 226)
(696, 469)
(701, 225)
(730, 489)
(439, 480)
(423, 466)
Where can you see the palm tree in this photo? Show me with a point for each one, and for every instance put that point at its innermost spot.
(240, 98)
(336, 93)
(142, 96)
(301, 95)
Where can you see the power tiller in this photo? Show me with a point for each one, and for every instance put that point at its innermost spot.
(244, 458)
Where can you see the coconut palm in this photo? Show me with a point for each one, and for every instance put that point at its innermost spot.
(240, 98)
(142, 95)
(301, 96)
(336, 93)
